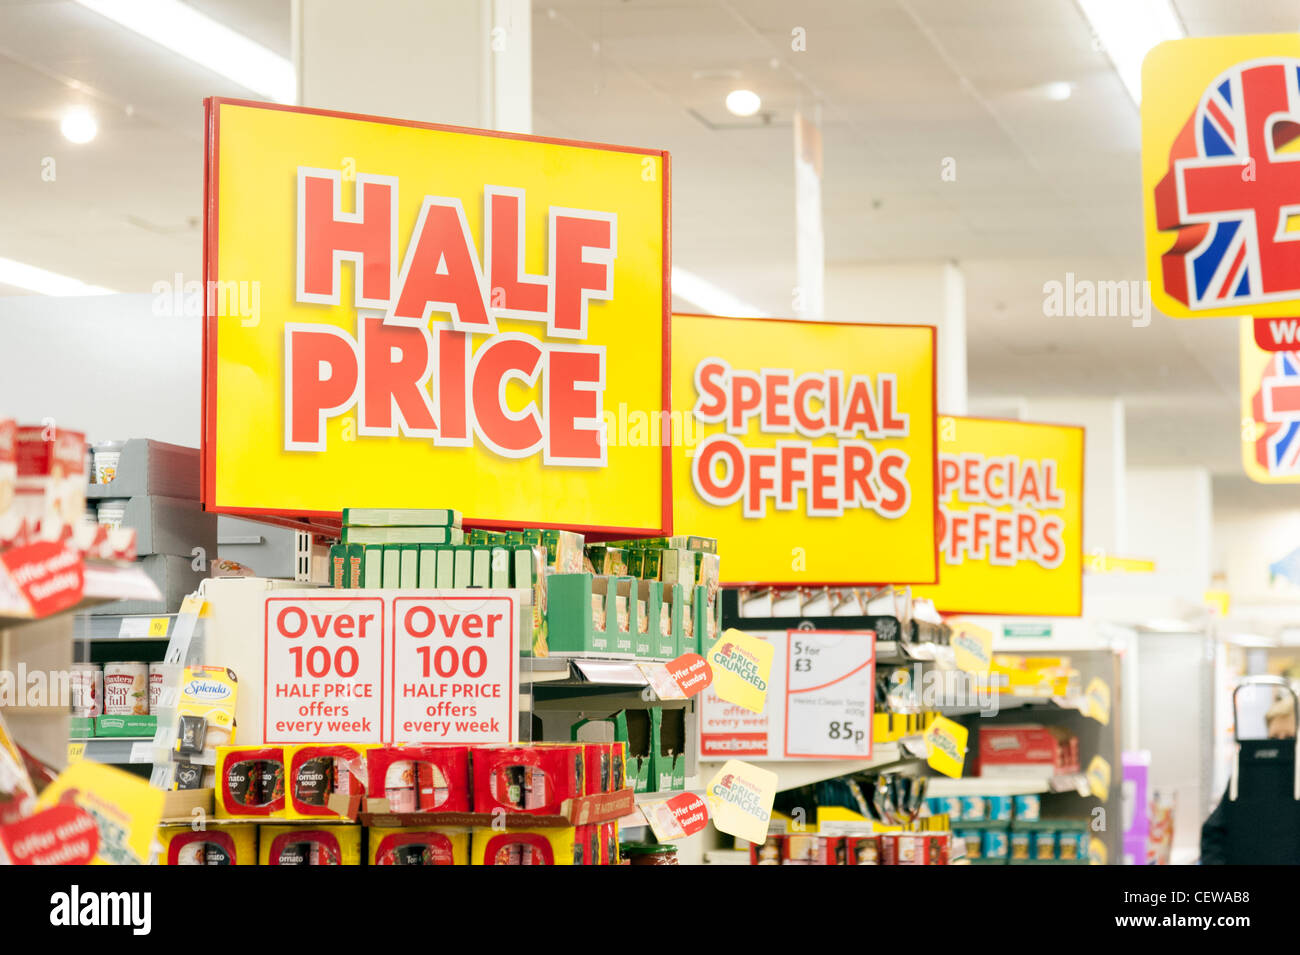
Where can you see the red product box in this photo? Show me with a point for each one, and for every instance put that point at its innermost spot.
(51, 477)
(598, 768)
(1010, 750)
(767, 853)
(609, 843)
(535, 780)
(250, 781)
(317, 772)
(862, 850)
(305, 847)
(428, 845)
(419, 777)
(805, 850)
(914, 848)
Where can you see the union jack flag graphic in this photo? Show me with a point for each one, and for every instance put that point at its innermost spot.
(1231, 189)
(1276, 405)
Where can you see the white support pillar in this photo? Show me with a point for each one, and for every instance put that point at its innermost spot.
(921, 293)
(467, 63)
(1171, 521)
(1104, 508)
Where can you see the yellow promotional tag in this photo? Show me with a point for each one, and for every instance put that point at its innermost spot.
(1097, 698)
(158, 627)
(741, 666)
(947, 743)
(194, 604)
(740, 800)
(1099, 778)
(972, 646)
(1097, 854)
(126, 809)
(76, 752)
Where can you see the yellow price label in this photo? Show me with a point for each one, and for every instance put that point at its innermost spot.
(1097, 701)
(194, 604)
(972, 646)
(76, 752)
(1098, 776)
(742, 667)
(158, 626)
(946, 740)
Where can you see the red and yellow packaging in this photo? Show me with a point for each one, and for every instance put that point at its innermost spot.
(914, 848)
(527, 779)
(435, 845)
(598, 768)
(527, 847)
(419, 777)
(319, 773)
(215, 845)
(250, 782)
(309, 845)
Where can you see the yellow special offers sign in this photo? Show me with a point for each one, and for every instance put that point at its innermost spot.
(414, 315)
(1011, 530)
(1270, 411)
(1220, 143)
(807, 448)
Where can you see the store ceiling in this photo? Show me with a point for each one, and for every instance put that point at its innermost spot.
(1042, 187)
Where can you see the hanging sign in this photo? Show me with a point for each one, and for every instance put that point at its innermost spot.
(1270, 410)
(1219, 144)
(469, 314)
(1011, 518)
(808, 447)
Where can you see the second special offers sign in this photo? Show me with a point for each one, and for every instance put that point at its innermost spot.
(808, 448)
(462, 314)
(1011, 530)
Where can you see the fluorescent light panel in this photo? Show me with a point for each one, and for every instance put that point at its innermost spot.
(22, 275)
(1129, 29)
(707, 297)
(183, 30)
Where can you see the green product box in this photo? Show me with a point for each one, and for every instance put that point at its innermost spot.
(445, 573)
(651, 563)
(356, 558)
(403, 535)
(649, 597)
(338, 565)
(480, 567)
(706, 616)
(428, 566)
(666, 638)
(409, 572)
(668, 761)
(531, 537)
(704, 545)
(81, 727)
(500, 574)
(634, 560)
(477, 537)
(624, 622)
(372, 568)
(582, 615)
(400, 517)
(463, 567)
(638, 731)
(615, 562)
(595, 558)
(126, 725)
(392, 565)
(678, 567)
(512, 539)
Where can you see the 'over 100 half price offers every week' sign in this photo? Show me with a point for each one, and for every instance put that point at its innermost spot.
(811, 448)
(452, 309)
(391, 666)
(1011, 529)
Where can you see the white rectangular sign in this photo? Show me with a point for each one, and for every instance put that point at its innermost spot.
(379, 666)
(820, 695)
(455, 668)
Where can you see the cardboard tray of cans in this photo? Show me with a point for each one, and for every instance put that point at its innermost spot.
(581, 811)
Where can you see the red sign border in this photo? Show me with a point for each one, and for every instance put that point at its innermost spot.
(327, 521)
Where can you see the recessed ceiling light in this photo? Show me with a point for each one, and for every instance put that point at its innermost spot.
(743, 102)
(1059, 91)
(1127, 31)
(78, 125)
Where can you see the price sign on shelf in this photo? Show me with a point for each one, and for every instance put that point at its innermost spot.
(324, 669)
(830, 685)
(453, 660)
(820, 697)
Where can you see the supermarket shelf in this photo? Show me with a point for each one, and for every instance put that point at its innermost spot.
(657, 796)
(793, 774)
(1006, 785)
(112, 626)
(1008, 701)
(115, 750)
(579, 671)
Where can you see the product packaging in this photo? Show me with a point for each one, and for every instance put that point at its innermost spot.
(325, 781)
(418, 846)
(418, 778)
(213, 845)
(534, 780)
(914, 848)
(309, 845)
(126, 688)
(1028, 807)
(205, 714)
(250, 782)
(560, 846)
(50, 487)
(1027, 749)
